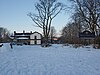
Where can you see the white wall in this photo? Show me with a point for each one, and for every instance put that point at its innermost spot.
(35, 34)
(33, 42)
(38, 41)
(33, 37)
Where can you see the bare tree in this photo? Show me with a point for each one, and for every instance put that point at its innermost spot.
(4, 34)
(52, 33)
(47, 10)
(89, 11)
(70, 33)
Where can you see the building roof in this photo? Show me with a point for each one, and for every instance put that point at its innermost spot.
(24, 34)
(87, 35)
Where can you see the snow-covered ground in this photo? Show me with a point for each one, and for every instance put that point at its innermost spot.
(54, 60)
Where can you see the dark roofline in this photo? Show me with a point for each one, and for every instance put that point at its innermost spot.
(27, 33)
(23, 33)
(37, 32)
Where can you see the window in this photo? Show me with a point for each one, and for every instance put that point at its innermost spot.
(35, 37)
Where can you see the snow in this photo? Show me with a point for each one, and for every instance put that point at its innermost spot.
(22, 38)
(54, 60)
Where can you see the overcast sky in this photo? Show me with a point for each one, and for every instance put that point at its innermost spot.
(13, 16)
